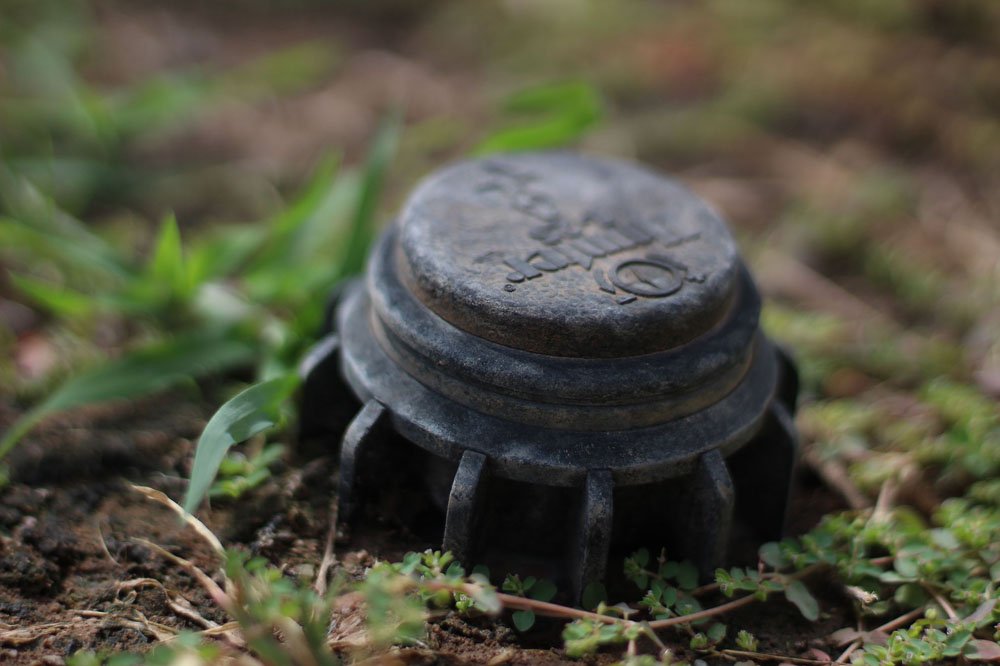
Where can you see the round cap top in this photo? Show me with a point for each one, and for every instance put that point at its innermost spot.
(567, 255)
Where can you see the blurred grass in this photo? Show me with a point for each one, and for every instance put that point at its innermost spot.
(852, 143)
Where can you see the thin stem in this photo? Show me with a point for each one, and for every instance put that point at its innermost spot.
(329, 556)
(708, 612)
(649, 633)
(545, 608)
(942, 602)
(704, 588)
(901, 620)
(549, 609)
(846, 654)
(850, 648)
(773, 657)
(732, 605)
(888, 626)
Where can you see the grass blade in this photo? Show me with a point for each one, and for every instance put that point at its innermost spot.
(167, 261)
(50, 228)
(53, 297)
(143, 372)
(563, 112)
(243, 416)
(363, 223)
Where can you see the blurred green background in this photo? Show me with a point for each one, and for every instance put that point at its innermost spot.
(178, 168)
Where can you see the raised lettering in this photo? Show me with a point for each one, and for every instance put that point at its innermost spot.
(523, 268)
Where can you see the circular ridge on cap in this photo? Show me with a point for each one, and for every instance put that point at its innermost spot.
(567, 255)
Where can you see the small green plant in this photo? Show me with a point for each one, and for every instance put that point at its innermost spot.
(71, 139)
(542, 590)
(239, 473)
(190, 294)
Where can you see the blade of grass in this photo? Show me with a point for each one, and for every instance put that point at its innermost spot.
(142, 372)
(298, 232)
(564, 113)
(362, 224)
(167, 260)
(56, 298)
(48, 228)
(32, 242)
(247, 413)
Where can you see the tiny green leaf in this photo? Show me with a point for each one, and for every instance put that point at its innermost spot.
(56, 298)
(687, 576)
(523, 619)
(139, 373)
(167, 261)
(543, 590)
(717, 632)
(803, 599)
(772, 555)
(593, 595)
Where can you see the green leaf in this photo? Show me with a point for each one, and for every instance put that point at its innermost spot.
(363, 223)
(563, 112)
(40, 224)
(908, 567)
(717, 632)
(34, 242)
(284, 71)
(305, 227)
(543, 590)
(910, 595)
(669, 569)
(594, 595)
(167, 261)
(244, 415)
(523, 619)
(512, 583)
(944, 538)
(142, 372)
(772, 555)
(55, 298)
(687, 575)
(803, 599)
(956, 641)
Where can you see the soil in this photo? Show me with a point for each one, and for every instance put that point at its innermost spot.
(73, 576)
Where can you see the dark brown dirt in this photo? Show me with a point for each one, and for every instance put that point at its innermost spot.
(73, 577)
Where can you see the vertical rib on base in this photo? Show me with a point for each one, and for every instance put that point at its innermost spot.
(463, 506)
(594, 535)
(362, 434)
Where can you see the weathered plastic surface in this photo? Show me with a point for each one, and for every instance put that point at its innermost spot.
(572, 346)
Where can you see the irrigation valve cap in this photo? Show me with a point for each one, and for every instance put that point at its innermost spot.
(563, 353)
